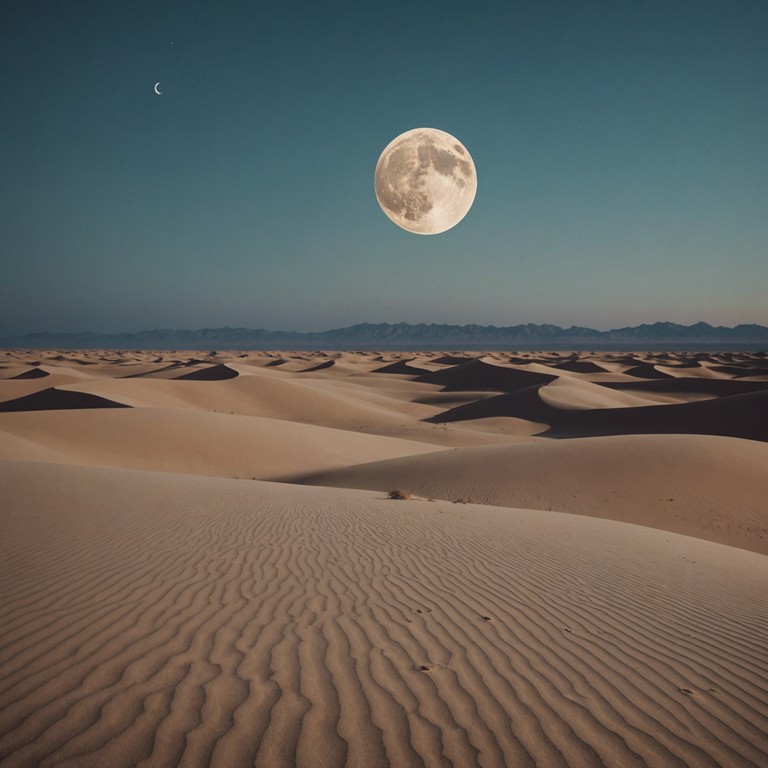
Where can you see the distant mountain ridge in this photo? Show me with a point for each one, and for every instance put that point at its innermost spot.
(407, 336)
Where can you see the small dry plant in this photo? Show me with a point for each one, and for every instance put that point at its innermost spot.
(398, 493)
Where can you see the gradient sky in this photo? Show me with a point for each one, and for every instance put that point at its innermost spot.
(621, 148)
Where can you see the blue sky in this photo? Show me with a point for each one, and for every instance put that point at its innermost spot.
(621, 151)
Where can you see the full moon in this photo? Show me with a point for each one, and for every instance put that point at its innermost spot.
(425, 181)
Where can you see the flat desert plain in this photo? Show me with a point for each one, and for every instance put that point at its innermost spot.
(200, 563)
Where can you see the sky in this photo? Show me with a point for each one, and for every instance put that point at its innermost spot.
(620, 145)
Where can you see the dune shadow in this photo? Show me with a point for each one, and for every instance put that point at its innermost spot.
(34, 373)
(219, 372)
(58, 400)
(742, 415)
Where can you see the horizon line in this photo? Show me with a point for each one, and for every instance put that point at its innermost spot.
(384, 322)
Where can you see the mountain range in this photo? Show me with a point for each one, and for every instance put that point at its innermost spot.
(661, 335)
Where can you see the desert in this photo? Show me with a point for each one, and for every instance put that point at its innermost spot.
(384, 385)
(239, 558)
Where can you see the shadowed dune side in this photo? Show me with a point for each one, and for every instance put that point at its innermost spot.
(714, 488)
(32, 373)
(525, 403)
(11, 389)
(338, 367)
(450, 399)
(580, 366)
(741, 370)
(698, 385)
(626, 360)
(647, 371)
(320, 366)
(481, 375)
(670, 362)
(210, 373)
(92, 371)
(744, 415)
(180, 620)
(403, 367)
(72, 358)
(57, 399)
(157, 371)
(193, 361)
(702, 371)
(451, 360)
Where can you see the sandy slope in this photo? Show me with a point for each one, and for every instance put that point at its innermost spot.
(712, 487)
(159, 619)
(574, 394)
(190, 441)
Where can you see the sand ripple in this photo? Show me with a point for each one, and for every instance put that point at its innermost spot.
(160, 619)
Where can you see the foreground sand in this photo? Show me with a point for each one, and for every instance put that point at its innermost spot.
(178, 620)
(154, 618)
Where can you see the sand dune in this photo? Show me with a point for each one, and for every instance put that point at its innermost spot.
(277, 397)
(744, 415)
(575, 394)
(58, 399)
(154, 371)
(403, 367)
(715, 387)
(261, 395)
(741, 370)
(711, 487)
(320, 366)
(210, 373)
(15, 371)
(580, 366)
(605, 605)
(32, 373)
(452, 359)
(483, 374)
(192, 442)
(173, 620)
(647, 371)
(13, 389)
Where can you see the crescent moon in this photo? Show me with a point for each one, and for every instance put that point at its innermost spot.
(157, 90)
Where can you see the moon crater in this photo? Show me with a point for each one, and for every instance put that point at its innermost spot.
(425, 181)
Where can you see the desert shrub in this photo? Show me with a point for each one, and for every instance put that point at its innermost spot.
(398, 493)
